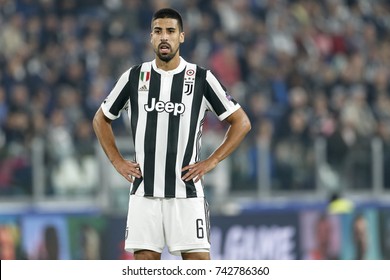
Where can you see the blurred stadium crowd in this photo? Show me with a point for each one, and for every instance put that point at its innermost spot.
(302, 69)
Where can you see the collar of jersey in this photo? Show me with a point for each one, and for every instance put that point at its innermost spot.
(178, 69)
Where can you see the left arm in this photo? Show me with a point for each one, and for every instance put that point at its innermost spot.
(239, 127)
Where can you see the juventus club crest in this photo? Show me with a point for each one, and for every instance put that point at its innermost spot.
(189, 80)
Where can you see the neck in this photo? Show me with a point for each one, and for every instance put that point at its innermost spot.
(170, 65)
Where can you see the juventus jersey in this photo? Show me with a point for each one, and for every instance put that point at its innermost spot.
(166, 111)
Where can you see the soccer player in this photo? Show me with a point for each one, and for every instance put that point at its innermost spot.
(166, 100)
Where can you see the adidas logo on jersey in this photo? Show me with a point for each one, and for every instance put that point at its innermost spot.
(143, 88)
(169, 107)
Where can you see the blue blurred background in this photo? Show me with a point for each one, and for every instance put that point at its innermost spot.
(311, 181)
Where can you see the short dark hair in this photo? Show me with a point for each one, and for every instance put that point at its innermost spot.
(169, 13)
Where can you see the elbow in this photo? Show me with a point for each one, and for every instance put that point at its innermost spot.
(95, 122)
(247, 126)
(98, 120)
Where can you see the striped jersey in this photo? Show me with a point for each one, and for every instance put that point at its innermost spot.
(167, 110)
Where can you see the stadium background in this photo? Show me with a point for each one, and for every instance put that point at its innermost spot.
(312, 75)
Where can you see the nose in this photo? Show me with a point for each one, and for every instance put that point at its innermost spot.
(164, 36)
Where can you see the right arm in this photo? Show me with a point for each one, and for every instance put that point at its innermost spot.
(103, 130)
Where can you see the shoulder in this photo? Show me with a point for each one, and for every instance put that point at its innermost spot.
(203, 70)
(146, 64)
(200, 70)
(197, 67)
(139, 66)
(136, 69)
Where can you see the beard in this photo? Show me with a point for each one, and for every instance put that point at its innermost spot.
(166, 57)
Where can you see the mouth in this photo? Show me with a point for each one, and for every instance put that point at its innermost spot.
(164, 48)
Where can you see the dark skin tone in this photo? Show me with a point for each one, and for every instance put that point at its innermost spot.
(166, 38)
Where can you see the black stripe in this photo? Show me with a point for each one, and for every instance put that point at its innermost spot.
(213, 99)
(150, 134)
(196, 104)
(121, 100)
(134, 82)
(173, 135)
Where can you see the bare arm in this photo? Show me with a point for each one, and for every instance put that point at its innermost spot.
(239, 127)
(105, 135)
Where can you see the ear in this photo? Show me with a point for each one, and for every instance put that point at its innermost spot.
(151, 36)
(181, 38)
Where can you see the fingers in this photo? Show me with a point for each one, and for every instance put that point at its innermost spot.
(195, 172)
(136, 172)
(130, 178)
(191, 176)
(130, 170)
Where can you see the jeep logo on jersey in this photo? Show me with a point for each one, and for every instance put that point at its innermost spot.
(169, 107)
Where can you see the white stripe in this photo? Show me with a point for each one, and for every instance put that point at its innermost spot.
(184, 131)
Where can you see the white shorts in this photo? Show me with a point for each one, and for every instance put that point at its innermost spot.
(182, 224)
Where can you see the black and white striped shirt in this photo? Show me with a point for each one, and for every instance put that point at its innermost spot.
(166, 111)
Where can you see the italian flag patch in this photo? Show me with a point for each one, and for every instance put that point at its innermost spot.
(144, 76)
